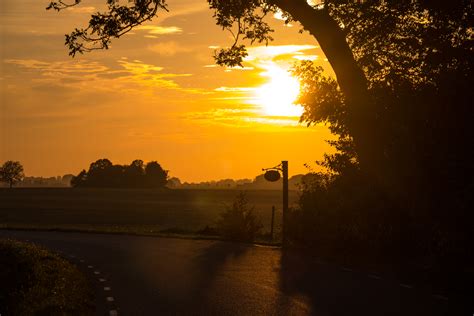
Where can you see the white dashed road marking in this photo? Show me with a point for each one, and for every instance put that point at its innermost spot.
(346, 269)
(406, 286)
(109, 299)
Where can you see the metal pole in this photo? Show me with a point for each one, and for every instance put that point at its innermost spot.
(284, 167)
(273, 220)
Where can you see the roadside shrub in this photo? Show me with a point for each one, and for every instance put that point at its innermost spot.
(239, 222)
(34, 281)
(348, 216)
(345, 216)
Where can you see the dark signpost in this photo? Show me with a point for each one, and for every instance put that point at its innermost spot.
(272, 175)
(284, 170)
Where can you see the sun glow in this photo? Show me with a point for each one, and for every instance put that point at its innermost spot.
(278, 96)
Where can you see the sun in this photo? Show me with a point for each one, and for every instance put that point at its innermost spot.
(278, 96)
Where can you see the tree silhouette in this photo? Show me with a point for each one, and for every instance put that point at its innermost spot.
(103, 174)
(135, 174)
(11, 172)
(79, 180)
(424, 123)
(99, 173)
(155, 176)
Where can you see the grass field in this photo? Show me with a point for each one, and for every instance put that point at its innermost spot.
(128, 210)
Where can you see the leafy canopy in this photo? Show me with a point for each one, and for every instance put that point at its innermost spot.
(103, 174)
(243, 19)
(11, 172)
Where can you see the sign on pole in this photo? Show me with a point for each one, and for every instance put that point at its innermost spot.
(272, 175)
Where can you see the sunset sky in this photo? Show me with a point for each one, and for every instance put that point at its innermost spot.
(155, 95)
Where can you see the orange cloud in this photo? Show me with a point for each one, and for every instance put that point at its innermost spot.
(159, 30)
(168, 48)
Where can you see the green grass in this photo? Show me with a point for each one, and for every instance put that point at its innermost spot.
(126, 210)
(35, 281)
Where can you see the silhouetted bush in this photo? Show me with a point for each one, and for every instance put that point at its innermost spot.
(343, 216)
(239, 221)
(351, 218)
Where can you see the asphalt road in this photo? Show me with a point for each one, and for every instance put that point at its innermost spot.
(163, 276)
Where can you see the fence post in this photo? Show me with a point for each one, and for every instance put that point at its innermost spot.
(284, 167)
(273, 219)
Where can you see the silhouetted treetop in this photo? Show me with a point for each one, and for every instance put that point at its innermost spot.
(102, 173)
(100, 164)
(11, 172)
(155, 175)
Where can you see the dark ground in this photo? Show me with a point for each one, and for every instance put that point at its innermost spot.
(149, 276)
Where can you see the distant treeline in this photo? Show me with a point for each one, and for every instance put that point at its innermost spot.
(58, 181)
(258, 183)
(42, 182)
(103, 174)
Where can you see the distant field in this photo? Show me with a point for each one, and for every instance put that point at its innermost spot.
(127, 210)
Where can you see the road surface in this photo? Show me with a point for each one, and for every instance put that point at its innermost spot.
(136, 275)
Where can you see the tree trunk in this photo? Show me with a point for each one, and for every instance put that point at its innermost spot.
(350, 77)
(11, 184)
(332, 41)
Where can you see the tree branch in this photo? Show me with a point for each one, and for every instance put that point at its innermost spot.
(332, 41)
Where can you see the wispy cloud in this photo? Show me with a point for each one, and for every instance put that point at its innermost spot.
(127, 75)
(244, 116)
(258, 53)
(159, 30)
(82, 10)
(240, 68)
(235, 89)
(306, 57)
(168, 48)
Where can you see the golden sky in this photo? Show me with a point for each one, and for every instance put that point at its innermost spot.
(154, 95)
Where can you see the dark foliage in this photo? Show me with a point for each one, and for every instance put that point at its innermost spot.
(413, 203)
(239, 221)
(117, 21)
(155, 176)
(104, 174)
(11, 172)
(38, 282)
